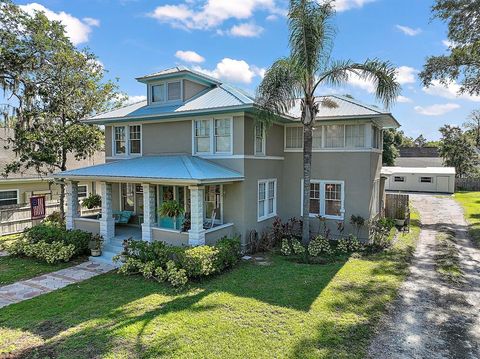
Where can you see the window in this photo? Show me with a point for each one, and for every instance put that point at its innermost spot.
(213, 136)
(223, 135)
(398, 179)
(259, 138)
(426, 179)
(213, 203)
(127, 194)
(158, 93)
(120, 143)
(326, 199)
(294, 137)
(8, 197)
(355, 135)
(376, 139)
(317, 137)
(82, 191)
(267, 199)
(134, 144)
(334, 136)
(135, 134)
(174, 91)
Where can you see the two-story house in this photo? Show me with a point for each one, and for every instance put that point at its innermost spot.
(195, 140)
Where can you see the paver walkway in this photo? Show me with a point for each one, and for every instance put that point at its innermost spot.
(29, 288)
(433, 318)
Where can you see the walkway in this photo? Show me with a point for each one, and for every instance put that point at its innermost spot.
(433, 318)
(26, 289)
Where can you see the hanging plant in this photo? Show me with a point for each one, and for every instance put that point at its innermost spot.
(92, 201)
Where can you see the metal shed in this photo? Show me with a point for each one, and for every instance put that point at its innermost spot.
(420, 179)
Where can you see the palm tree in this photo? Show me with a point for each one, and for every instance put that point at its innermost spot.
(308, 67)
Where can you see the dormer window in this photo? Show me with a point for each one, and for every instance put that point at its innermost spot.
(166, 92)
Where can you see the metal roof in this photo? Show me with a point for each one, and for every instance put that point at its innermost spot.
(418, 170)
(178, 70)
(171, 168)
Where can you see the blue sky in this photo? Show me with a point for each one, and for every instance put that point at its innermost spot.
(237, 40)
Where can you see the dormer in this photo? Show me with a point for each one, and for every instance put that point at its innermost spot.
(175, 86)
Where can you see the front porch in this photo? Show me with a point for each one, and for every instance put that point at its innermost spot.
(131, 208)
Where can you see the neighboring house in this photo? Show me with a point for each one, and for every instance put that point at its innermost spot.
(420, 179)
(17, 188)
(195, 140)
(419, 157)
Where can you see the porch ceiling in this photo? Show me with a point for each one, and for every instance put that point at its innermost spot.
(168, 168)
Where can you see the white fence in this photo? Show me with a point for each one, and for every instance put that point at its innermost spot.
(15, 218)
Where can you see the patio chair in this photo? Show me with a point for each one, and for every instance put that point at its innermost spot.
(122, 217)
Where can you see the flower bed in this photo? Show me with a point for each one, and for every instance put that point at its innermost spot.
(177, 265)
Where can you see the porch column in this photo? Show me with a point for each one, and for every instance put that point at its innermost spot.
(148, 211)
(72, 204)
(196, 234)
(107, 222)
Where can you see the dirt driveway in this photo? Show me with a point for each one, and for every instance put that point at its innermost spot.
(433, 317)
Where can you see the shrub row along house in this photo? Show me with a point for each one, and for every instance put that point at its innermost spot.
(195, 140)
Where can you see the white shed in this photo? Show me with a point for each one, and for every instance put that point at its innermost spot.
(420, 179)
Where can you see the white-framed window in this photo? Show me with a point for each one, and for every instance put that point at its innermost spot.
(223, 136)
(213, 136)
(327, 199)
(8, 197)
(259, 138)
(376, 137)
(82, 191)
(267, 199)
(166, 92)
(127, 140)
(355, 136)
(426, 179)
(294, 137)
(317, 137)
(398, 179)
(213, 204)
(334, 136)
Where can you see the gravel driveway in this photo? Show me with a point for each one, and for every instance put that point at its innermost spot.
(433, 318)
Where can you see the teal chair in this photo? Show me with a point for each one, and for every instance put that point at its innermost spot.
(122, 217)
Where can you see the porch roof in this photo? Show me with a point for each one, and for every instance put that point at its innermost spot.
(166, 168)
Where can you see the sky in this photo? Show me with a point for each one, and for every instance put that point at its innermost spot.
(237, 40)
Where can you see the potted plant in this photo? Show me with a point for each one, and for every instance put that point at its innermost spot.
(92, 201)
(400, 216)
(96, 245)
(171, 209)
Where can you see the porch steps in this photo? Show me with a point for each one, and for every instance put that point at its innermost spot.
(110, 249)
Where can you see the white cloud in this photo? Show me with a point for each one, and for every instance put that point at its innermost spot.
(189, 56)
(259, 71)
(406, 75)
(211, 14)
(271, 17)
(408, 30)
(343, 5)
(436, 110)
(246, 30)
(355, 81)
(403, 99)
(77, 30)
(135, 99)
(448, 43)
(450, 92)
(233, 70)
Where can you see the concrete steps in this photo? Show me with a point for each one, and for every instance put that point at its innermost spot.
(109, 250)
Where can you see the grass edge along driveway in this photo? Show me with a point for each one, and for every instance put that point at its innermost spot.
(470, 201)
(285, 310)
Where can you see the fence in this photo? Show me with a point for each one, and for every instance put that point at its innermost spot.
(397, 206)
(15, 218)
(467, 184)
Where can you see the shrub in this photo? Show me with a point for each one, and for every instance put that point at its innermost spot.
(379, 235)
(55, 218)
(297, 247)
(161, 262)
(286, 250)
(349, 245)
(319, 245)
(49, 252)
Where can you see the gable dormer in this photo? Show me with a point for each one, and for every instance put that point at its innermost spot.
(175, 86)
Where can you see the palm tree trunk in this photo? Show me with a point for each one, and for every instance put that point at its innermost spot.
(307, 168)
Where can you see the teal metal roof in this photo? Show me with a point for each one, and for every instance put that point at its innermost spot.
(170, 168)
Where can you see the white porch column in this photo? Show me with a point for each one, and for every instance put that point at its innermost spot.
(72, 204)
(148, 211)
(107, 222)
(196, 234)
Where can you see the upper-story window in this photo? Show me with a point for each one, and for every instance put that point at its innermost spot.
(334, 136)
(127, 140)
(259, 138)
(376, 137)
(293, 137)
(355, 135)
(213, 136)
(166, 92)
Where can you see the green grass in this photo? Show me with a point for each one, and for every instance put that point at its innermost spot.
(470, 202)
(13, 269)
(284, 310)
(447, 260)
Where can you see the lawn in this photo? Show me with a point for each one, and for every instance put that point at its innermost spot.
(282, 310)
(470, 202)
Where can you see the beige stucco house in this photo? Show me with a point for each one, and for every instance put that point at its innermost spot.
(195, 140)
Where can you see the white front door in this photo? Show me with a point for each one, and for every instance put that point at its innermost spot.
(443, 184)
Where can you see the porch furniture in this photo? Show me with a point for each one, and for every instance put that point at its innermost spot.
(122, 217)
